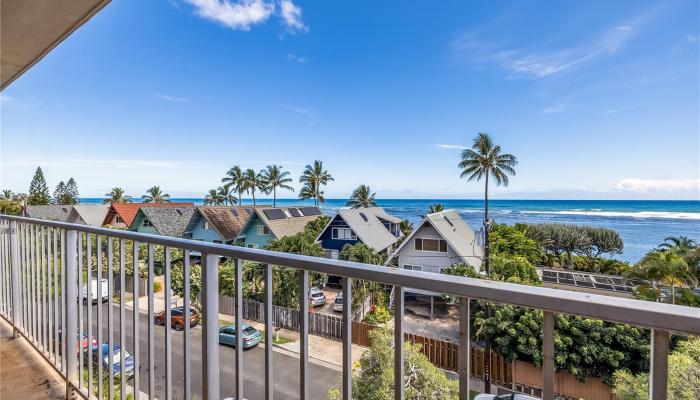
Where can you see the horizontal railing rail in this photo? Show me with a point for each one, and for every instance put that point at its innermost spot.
(31, 249)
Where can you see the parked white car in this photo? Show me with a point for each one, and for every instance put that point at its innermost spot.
(95, 292)
(517, 396)
(316, 297)
(338, 303)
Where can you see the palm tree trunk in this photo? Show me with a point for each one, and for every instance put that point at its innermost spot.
(253, 192)
(274, 197)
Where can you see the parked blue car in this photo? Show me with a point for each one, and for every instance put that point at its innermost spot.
(100, 353)
(251, 336)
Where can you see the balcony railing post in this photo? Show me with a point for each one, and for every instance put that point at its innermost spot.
(658, 376)
(210, 348)
(464, 348)
(398, 342)
(548, 357)
(14, 272)
(70, 298)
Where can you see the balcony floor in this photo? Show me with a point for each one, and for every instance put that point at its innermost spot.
(24, 374)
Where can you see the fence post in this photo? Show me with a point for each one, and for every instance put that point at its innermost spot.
(14, 272)
(70, 297)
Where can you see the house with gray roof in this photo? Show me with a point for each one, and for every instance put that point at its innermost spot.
(51, 212)
(439, 241)
(166, 221)
(372, 226)
(88, 214)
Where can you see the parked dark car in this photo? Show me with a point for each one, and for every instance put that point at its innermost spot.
(100, 354)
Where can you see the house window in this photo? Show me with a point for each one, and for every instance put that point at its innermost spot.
(252, 245)
(217, 241)
(263, 230)
(146, 222)
(119, 219)
(413, 267)
(206, 224)
(343, 234)
(332, 254)
(435, 245)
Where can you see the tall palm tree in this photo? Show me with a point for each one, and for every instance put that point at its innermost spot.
(227, 195)
(7, 194)
(362, 197)
(680, 245)
(658, 269)
(235, 178)
(483, 160)
(275, 177)
(155, 195)
(434, 208)
(116, 196)
(253, 181)
(213, 198)
(313, 177)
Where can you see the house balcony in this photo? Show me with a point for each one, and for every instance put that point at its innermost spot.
(43, 294)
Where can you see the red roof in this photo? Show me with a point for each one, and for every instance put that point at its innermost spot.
(127, 211)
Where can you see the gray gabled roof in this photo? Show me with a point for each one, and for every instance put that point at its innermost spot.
(459, 236)
(52, 212)
(89, 214)
(287, 226)
(168, 221)
(367, 225)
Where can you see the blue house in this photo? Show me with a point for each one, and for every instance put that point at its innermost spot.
(372, 226)
(218, 224)
(267, 224)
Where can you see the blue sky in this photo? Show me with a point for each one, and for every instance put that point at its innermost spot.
(598, 99)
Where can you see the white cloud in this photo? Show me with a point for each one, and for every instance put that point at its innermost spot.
(291, 15)
(235, 15)
(619, 110)
(299, 110)
(691, 38)
(557, 108)
(451, 146)
(536, 64)
(171, 98)
(89, 162)
(659, 185)
(299, 59)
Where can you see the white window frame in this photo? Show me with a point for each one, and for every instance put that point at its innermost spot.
(335, 233)
(252, 246)
(261, 229)
(118, 219)
(147, 222)
(415, 245)
(206, 225)
(413, 267)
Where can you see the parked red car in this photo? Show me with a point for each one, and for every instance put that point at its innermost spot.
(177, 318)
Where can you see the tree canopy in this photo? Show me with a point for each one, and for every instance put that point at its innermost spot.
(38, 190)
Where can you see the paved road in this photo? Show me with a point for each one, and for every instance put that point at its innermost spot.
(285, 372)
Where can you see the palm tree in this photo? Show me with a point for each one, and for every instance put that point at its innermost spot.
(274, 178)
(213, 198)
(253, 181)
(234, 177)
(155, 195)
(662, 268)
(313, 178)
(362, 197)
(681, 245)
(116, 196)
(226, 193)
(434, 208)
(406, 227)
(7, 194)
(484, 160)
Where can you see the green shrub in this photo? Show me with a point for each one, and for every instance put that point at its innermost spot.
(157, 286)
(377, 315)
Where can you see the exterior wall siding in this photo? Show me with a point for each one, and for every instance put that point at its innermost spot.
(430, 261)
(137, 226)
(206, 235)
(250, 235)
(326, 239)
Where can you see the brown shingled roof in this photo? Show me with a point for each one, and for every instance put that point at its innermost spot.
(127, 211)
(223, 220)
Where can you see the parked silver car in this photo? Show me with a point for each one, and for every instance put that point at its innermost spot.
(316, 297)
(338, 303)
(517, 396)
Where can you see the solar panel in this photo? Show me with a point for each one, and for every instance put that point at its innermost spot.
(274, 213)
(308, 211)
(295, 212)
(234, 212)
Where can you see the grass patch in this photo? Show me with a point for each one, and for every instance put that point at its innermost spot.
(277, 339)
(127, 298)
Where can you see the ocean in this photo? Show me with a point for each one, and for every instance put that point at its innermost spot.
(642, 224)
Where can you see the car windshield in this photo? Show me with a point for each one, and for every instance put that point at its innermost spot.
(339, 300)
(504, 397)
(316, 294)
(249, 330)
(116, 358)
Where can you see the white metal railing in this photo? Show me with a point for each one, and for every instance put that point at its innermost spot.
(41, 271)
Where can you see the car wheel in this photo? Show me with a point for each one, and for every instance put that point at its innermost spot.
(178, 326)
